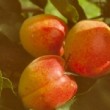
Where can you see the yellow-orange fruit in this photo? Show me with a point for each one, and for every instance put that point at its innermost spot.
(87, 48)
(43, 35)
(43, 84)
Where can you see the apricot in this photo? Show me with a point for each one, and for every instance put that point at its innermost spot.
(44, 84)
(43, 35)
(87, 49)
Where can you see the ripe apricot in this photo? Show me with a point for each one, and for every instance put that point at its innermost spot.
(43, 84)
(43, 35)
(87, 48)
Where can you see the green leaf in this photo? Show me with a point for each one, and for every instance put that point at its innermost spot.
(90, 9)
(67, 105)
(66, 9)
(5, 83)
(51, 9)
(29, 8)
(1, 83)
(8, 84)
(41, 3)
(27, 4)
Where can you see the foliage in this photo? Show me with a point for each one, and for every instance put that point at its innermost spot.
(67, 106)
(89, 11)
(13, 58)
(5, 83)
(67, 9)
(51, 9)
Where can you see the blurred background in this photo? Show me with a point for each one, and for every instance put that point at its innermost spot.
(93, 94)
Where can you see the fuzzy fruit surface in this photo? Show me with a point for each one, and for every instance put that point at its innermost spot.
(87, 49)
(43, 35)
(43, 84)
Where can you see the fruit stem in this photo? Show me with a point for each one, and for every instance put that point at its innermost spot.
(69, 73)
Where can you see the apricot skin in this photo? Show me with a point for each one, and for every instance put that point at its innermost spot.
(87, 49)
(43, 35)
(43, 84)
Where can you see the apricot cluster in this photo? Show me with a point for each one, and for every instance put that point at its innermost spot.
(83, 50)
